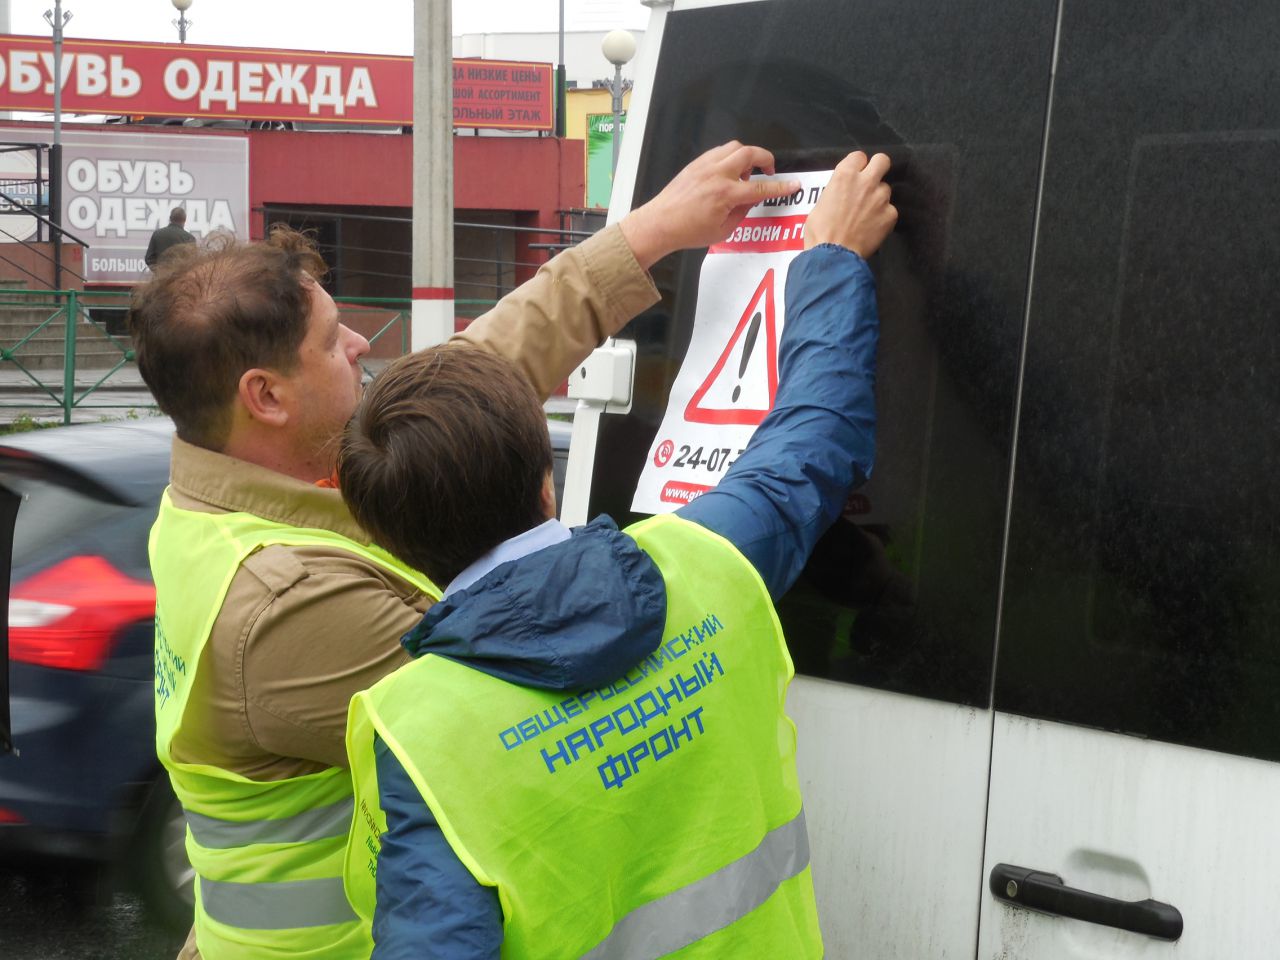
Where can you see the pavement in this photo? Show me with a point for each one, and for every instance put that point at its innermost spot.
(123, 393)
(50, 911)
(13, 379)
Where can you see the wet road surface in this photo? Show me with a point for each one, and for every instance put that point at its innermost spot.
(58, 914)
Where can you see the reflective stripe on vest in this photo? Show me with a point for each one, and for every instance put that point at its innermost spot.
(666, 925)
(658, 815)
(267, 854)
(318, 824)
(288, 905)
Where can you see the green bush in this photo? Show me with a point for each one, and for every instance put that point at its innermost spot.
(24, 423)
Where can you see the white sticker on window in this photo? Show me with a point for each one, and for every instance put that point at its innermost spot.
(729, 378)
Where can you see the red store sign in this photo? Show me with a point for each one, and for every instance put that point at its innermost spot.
(502, 93)
(167, 80)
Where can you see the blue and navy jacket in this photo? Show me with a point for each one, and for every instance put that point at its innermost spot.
(567, 631)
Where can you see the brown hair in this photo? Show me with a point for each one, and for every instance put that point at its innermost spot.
(213, 312)
(446, 458)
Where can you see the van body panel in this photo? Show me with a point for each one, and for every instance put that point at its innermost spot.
(1061, 581)
(1132, 820)
(890, 780)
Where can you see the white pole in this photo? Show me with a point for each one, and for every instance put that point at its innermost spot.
(433, 297)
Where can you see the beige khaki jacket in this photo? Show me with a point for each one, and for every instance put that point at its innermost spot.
(302, 629)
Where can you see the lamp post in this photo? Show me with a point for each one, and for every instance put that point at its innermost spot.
(182, 6)
(618, 48)
(57, 19)
(560, 83)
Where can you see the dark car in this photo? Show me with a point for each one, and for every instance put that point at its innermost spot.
(83, 782)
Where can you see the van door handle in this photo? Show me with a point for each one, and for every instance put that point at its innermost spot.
(1046, 892)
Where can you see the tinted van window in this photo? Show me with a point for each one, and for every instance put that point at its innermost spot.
(1145, 539)
(902, 594)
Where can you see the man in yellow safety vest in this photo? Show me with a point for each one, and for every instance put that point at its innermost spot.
(589, 756)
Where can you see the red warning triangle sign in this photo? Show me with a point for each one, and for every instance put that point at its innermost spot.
(761, 302)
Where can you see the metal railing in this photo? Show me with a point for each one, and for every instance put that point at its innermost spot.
(385, 323)
(38, 368)
(42, 207)
(375, 248)
(49, 366)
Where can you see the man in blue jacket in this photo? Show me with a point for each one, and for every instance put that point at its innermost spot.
(589, 755)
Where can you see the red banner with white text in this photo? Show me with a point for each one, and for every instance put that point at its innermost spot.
(120, 78)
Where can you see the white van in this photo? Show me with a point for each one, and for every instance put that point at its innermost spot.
(1039, 702)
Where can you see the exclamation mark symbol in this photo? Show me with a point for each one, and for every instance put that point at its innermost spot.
(747, 346)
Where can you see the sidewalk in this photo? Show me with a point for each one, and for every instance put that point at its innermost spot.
(13, 380)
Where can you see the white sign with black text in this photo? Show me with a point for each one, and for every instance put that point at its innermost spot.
(729, 377)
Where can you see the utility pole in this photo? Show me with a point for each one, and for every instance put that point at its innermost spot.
(57, 19)
(433, 296)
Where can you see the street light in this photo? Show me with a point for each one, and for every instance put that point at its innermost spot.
(182, 6)
(560, 94)
(618, 48)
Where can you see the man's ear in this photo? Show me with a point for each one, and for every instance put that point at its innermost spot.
(264, 395)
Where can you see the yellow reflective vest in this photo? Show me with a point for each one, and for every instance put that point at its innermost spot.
(267, 855)
(658, 816)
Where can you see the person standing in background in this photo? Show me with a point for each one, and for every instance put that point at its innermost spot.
(166, 237)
